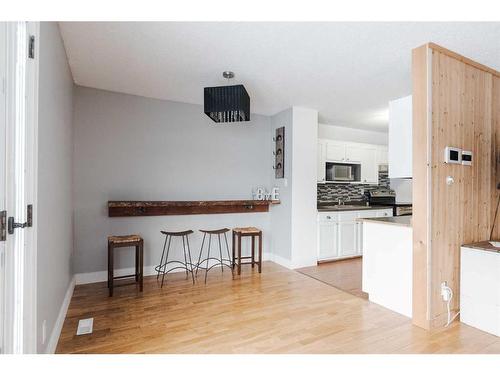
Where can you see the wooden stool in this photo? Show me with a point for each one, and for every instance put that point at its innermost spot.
(247, 232)
(126, 241)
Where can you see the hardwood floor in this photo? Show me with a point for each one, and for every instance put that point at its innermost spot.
(345, 275)
(278, 311)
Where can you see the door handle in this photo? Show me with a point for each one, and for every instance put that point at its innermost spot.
(12, 225)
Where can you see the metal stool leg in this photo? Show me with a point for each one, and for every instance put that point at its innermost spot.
(162, 254)
(201, 252)
(208, 257)
(220, 252)
(185, 257)
(166, 261)
(190, 261)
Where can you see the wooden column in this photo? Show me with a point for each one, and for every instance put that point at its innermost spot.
(452, 106)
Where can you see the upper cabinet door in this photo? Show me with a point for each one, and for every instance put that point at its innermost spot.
(400, 138)
(335, 151)
(321, 174)
(369, 166)
(354, 153)
(382, 157)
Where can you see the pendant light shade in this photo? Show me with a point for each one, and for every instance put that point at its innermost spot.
(227, 103)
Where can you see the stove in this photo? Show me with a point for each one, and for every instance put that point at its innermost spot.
(388, 198)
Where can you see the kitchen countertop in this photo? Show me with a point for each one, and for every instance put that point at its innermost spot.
(483, 245)
(350, 207)
(404, 221)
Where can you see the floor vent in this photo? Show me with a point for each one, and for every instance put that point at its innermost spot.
(85, 326)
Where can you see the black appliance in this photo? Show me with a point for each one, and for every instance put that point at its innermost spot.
(388, 198)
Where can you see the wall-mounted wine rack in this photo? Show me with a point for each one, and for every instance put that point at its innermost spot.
(279, 153)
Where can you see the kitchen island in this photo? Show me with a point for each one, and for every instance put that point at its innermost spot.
(387, 262)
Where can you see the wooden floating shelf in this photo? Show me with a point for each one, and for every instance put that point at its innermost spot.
(161, 208)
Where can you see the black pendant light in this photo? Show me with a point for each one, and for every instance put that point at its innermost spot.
(227, 103)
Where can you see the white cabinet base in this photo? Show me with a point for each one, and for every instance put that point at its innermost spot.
(340, 234)
(480, 289)
(387, 266)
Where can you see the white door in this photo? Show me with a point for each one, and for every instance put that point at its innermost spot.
(348, 238)
(19, 69)
(3, 165)
(327, 240)
(335, 151)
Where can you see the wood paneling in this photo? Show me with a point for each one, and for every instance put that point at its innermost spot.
(460, 104)
(160, 208)
(421, 183)
(278, 311)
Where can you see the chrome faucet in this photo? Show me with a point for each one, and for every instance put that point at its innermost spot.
(340, 201)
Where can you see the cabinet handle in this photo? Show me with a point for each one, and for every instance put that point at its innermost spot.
(328, 217)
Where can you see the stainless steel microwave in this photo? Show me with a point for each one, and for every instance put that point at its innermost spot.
(342, 172)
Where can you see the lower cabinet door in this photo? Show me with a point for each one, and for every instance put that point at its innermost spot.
(328, 236)
(348, 238)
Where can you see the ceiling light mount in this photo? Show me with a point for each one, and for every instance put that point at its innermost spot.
(228, 74)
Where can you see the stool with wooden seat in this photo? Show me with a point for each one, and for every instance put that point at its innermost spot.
(186, 265)
(253, 233)
(126, 241)
(221, 261)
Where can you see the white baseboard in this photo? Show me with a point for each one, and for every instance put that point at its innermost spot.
(100, 276)
(56, 331)
(280, 260)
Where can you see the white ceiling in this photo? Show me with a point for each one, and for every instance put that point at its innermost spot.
(347, 71)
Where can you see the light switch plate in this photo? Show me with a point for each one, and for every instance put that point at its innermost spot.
(85, 326)
(452, 155)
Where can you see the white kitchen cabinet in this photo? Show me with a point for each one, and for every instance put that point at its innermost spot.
(348, 239)
(335, 151)
(321, 176)
(400, 138)
(340, 235)
(354, 153)
(367, 155)
(327, 237)
(369, 166)
(382, 156)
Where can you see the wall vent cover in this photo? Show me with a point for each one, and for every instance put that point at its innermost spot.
(85, 326)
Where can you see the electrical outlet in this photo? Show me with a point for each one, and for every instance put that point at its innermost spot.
(44, 331)
(445, 291)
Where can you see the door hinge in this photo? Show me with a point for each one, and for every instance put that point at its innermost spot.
(31, 48)
(3, 225)
(12, 225)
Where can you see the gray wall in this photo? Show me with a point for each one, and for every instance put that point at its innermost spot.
(55, 151)
(133, 148)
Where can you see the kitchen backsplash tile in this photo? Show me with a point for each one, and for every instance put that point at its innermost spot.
(331, 191)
